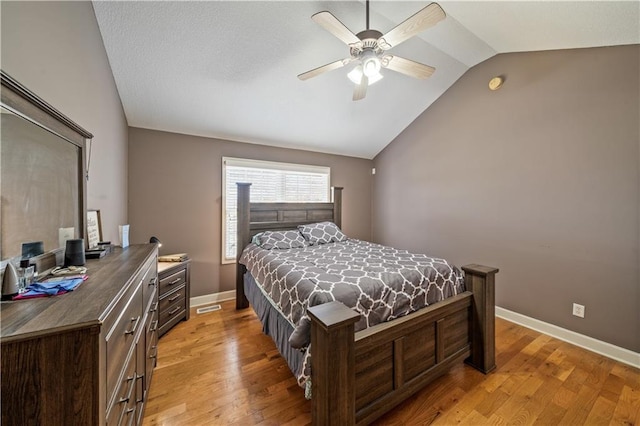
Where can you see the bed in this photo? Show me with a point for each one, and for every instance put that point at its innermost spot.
(359, 373)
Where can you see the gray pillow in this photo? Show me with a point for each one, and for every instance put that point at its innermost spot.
(281, 240)
(322, 233)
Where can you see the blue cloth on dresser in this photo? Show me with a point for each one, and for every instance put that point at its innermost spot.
(42, 289)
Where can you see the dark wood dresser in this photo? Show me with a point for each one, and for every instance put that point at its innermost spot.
(85, 357)
(174, 294)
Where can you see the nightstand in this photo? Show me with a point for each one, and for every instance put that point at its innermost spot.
(174, 294)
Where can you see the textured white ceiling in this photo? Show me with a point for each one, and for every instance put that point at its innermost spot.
(227, 69)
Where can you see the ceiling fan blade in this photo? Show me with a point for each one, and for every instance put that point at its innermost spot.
(360, 90)
(329, 67)
(425, 18)
(335, 27)
(407, 67)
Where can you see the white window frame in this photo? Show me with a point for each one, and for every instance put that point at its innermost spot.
(260, 164)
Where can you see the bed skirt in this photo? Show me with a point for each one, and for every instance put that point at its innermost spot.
(274, 324)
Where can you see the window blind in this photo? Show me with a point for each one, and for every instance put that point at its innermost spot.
(270, 182)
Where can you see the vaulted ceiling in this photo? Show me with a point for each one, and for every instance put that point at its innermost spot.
(227, 69)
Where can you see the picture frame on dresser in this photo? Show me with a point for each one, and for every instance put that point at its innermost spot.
(94, 228)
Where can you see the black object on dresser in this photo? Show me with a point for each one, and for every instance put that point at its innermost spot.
(85, 357)
(174, 294)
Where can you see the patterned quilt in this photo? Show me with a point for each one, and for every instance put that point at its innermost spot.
(381, 283)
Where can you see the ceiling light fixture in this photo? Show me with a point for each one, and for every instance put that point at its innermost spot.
(355, 75)
(370, 63)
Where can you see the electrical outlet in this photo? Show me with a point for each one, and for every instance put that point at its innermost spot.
(578, 310)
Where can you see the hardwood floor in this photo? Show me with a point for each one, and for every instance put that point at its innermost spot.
(218, 368)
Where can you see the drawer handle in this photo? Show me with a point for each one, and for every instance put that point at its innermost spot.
(177, 308)
(153, 281)
(155, 352)
(138, 377)
(136, 321)
(127, 380)
(154, 308)
(154, 326)
(176, 297)
(177, 280)
(132, 419)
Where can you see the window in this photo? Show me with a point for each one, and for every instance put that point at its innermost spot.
(270, 182)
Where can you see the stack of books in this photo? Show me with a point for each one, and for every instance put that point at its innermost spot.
(179, 257)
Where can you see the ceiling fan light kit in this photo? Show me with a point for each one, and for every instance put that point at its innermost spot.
(369, 48)
(355, 75)
(370, 63)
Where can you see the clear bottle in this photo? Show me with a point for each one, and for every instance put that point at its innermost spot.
(25, 276)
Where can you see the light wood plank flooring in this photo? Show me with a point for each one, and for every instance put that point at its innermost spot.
(218, 368)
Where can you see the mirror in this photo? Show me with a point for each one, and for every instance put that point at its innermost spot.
(42, 176)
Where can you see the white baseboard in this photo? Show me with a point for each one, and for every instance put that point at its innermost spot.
(607, 349)
(212, 298)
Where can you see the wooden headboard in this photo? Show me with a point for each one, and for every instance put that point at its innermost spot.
(259, 217)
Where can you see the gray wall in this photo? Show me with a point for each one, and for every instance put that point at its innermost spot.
(540, 178)
(175, 190)
(56, 50)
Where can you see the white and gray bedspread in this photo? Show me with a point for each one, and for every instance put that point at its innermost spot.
(381, 283)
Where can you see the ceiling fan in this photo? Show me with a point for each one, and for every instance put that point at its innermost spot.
(369, 48)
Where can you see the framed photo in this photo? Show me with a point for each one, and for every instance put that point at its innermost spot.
(94, 228)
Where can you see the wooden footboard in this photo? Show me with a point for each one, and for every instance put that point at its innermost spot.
(357, 377)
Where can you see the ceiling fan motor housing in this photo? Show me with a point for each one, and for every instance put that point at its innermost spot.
(369, 40)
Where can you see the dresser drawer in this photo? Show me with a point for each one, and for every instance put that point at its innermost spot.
(178, 296)
(121, 337)
(152, 319)
(149, 281)
(125, 394)
(173, 313)
(129, 417)
(171, 321)
(114, 416)
(151, 348)
(152, 355)
(173, 281)
(152, 307)
(120, 305)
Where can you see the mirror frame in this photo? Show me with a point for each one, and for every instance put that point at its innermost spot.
(18, 99)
